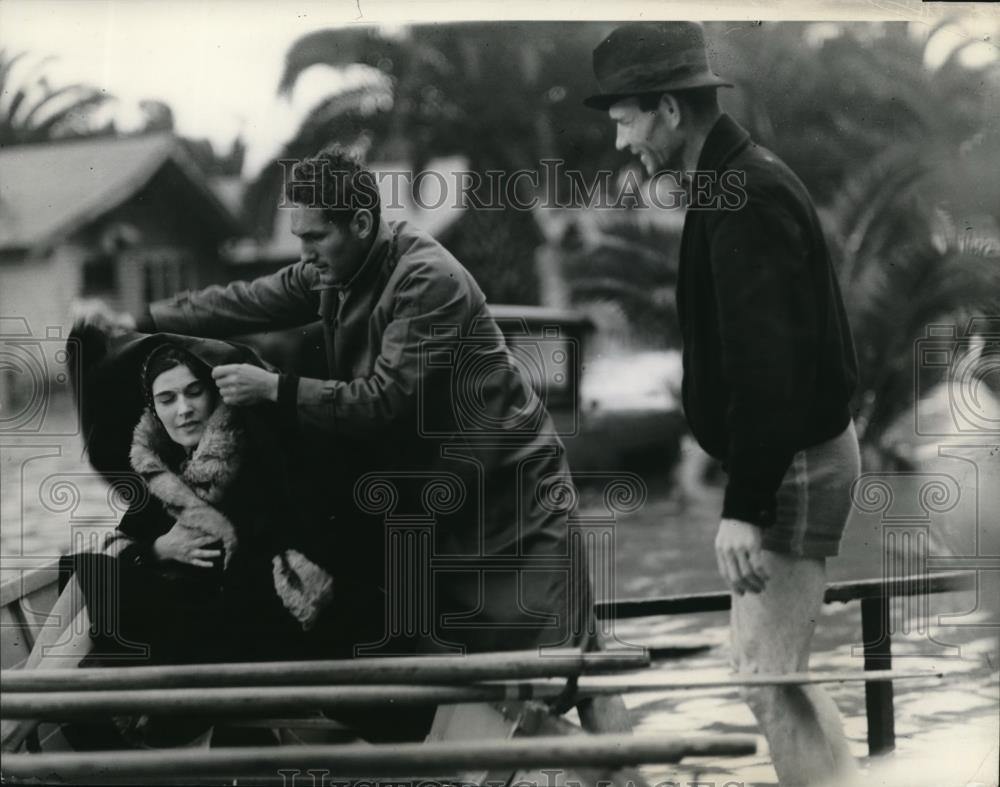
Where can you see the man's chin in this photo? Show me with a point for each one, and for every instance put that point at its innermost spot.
(654, 168)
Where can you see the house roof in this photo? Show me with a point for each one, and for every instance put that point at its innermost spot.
(49, 190)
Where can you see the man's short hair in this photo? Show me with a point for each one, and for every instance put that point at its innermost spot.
(336, 181)
(700, 101)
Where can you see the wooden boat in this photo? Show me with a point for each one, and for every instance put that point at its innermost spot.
(498, 715)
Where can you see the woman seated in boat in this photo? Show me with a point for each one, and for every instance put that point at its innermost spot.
(210, 565)
(218, 557)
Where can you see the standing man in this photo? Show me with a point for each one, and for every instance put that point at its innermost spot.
(769, 369)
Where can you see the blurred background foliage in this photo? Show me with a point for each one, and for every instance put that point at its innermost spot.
(899, 154)
(896, 154)
(33, 111)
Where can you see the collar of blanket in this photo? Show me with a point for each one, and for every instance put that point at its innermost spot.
(212, 467)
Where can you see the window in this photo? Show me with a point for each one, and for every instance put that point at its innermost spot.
(100, 275)
(164, 274)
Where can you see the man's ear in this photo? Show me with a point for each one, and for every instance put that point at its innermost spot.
(670, 110)
(362, 223)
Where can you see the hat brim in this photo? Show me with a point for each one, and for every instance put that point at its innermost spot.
(604, 101)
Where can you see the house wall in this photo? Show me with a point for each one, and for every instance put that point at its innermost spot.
(41, 289)
(164, 239)
(35, 320)
(175, 245)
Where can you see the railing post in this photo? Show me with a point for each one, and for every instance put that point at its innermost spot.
(878, 656)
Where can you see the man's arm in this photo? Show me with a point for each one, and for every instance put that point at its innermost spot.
(767, 319)
(428, 296)
(281, 300)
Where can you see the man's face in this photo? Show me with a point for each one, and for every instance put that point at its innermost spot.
(648, 135)
(330, 248)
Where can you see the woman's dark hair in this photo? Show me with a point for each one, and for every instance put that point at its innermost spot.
(169, 356)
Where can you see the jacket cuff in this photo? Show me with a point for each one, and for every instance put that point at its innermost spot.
(749, 506)
(138, 553)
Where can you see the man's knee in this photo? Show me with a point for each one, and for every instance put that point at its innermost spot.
(762, 700)
(772, 631)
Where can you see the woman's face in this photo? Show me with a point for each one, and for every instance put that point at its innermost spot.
(183, 404)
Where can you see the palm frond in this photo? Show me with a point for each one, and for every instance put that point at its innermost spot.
(85, 96)
(895, 297)
(81, 105)
(31, 98)
(345, 47)
(7, 63)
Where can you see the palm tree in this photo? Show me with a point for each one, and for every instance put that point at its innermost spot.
(900, 159)
(827, 105)
(502, 96)
(33, 111)
(629, 271)
(904, 263)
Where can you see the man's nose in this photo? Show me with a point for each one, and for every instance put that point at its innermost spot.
(620, 142)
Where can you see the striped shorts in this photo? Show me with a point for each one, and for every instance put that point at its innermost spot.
(814, 499)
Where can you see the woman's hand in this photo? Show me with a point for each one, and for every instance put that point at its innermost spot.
(186, 545)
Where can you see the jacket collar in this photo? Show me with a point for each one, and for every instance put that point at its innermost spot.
(725, 139)
(373, 260)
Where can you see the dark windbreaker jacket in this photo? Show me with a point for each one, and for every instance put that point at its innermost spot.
(769, 363)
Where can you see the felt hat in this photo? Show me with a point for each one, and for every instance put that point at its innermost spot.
(655, 57)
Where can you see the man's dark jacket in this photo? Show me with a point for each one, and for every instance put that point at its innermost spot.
(769, 363)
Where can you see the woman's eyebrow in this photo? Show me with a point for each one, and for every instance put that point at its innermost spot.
(187, 387)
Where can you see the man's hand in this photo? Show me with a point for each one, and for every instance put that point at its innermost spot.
(96, 312)
(186, 545)
(241, 383)
(738, 553)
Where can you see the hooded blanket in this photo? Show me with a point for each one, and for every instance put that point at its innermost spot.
(277, 554)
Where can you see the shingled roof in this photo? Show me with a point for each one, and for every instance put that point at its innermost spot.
(49, 190)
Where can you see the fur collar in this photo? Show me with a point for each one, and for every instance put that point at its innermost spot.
(205, 477)
(213, 466)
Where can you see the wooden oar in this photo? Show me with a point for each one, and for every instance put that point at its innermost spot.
(272, 700)
(515, 665)
(654, 681)
(383, 760)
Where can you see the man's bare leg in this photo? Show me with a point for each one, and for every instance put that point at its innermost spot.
(772, 632)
